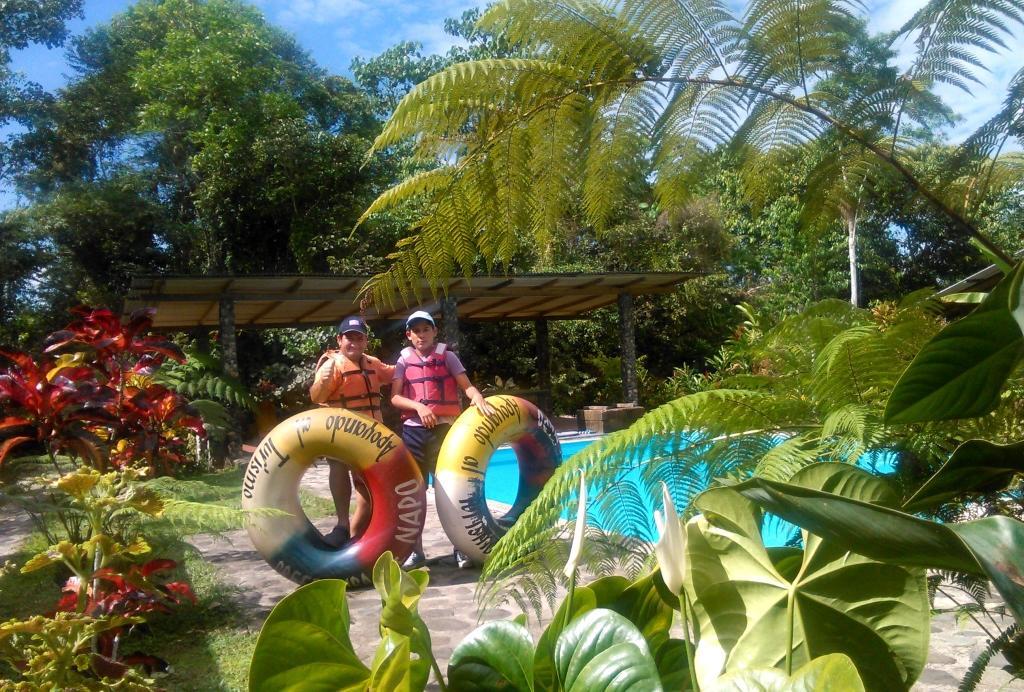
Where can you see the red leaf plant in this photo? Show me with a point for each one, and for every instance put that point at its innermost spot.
(130, 594)
(95, 401)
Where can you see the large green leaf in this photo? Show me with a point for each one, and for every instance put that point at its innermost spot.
(601, 650)
(993, 547)
(640, 602)
(832, 673)
(619, 668)
(390, 669)
(976, 466)
(752, 614)
(400, 593)
(496, 655)
(583, 600)
(961, 371)
(304, 643)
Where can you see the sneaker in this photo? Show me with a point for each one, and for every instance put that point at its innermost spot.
(414, 560)
(338, 537)
(462, 560)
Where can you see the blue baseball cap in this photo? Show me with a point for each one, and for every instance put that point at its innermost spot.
(353, 323)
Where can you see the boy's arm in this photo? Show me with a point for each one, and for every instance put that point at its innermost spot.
(321, 390)
(385, 372)
(475, 397)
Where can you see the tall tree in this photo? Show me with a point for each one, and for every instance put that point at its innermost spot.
(245, 155)
(609, 91)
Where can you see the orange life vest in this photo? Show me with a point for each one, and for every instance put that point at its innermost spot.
(428, 381)
(355, 387)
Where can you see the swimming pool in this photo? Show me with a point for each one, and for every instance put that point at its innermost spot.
(502, 482)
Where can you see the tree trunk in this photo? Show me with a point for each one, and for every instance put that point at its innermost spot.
(849, 214)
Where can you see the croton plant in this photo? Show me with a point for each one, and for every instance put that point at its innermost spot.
(90, 395)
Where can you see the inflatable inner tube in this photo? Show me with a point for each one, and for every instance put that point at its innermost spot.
(291, 544)
(462, 463)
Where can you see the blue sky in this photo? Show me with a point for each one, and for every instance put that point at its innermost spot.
(335, 31)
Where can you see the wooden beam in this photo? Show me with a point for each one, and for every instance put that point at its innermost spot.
(319, 306)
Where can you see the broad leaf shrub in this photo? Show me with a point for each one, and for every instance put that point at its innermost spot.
(612, 634)
(90, 403)
(91, 396)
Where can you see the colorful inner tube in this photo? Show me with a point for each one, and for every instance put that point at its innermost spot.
(462, 463)
(291, 544)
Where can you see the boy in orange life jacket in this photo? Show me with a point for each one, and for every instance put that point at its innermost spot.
(348, 378)
(424, 389)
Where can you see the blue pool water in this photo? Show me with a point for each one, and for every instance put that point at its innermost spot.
(502, 481)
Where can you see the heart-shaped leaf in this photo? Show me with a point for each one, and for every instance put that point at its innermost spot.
(620, 668)
(304, 643)
(602, 646)
(496, 655)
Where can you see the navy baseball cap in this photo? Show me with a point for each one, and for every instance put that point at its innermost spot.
(354, 323)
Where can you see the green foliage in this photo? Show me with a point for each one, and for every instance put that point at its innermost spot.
(816, 382)
(599, 96)
(201, 377)
(192, 137)
(800, 606)
(305, 639)
(831, 672)
(961, 372)
(55, 653)
(989, 546)
(976, 466)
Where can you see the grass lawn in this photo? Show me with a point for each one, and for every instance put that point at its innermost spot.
(208, 645)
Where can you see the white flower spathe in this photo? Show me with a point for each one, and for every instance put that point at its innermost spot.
(581, 523)
(671, 546)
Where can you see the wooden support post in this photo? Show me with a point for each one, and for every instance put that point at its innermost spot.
(450, 332)
(543, 363)
(229, 363)
(627, 342)
(228, 344)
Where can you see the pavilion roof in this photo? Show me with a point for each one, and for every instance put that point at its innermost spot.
(292, 300)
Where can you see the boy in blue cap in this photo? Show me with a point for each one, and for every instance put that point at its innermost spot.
(425, 389)
(348, 378)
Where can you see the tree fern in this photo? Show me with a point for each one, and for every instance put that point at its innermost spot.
(200, 377)
(647, 89)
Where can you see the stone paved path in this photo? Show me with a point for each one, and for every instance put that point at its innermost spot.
(450, 611)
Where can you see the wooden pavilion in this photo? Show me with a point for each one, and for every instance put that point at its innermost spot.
(228, 303)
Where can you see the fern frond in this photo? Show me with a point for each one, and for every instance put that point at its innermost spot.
(946, 31)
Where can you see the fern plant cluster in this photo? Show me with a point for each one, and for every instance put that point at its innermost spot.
(811, 388)
(601, 95)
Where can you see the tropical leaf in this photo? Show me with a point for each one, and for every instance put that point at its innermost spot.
(493, 656)
(961, 371)
(993, 546)
(304, 642)
(977, 466)
(831, 601)
(831, 672)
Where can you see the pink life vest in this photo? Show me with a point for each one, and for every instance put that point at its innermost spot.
(428, 381)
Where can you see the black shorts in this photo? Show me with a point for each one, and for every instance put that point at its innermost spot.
(424, 444)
